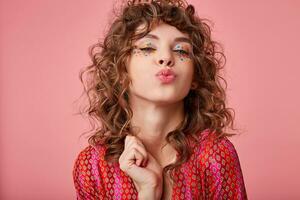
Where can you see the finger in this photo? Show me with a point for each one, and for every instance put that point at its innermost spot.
(130, 140)
(141, 148)
(129, 158)
(135, 142)
(135, 156)
(139, 157)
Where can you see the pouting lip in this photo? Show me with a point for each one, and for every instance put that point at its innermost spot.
(165, 72)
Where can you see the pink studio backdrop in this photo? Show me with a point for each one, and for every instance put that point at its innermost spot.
(43, 45)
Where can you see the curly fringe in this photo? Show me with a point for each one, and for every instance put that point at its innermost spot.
(107, 82)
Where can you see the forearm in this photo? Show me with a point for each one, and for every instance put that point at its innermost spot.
(149, 194)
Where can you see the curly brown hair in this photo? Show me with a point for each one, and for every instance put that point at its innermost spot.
(107, 81)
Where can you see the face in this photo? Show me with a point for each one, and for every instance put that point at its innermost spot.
(164, 48)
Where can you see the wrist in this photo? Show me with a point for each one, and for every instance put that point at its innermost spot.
(149, 194)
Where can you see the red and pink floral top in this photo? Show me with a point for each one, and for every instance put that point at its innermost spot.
(212, 172)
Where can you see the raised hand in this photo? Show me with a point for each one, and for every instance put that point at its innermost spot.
(142, 167)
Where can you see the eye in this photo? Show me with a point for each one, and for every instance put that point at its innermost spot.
(147, 49)
(180, 51)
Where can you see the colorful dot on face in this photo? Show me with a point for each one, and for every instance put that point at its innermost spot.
(178, 46)
(182, 56)
(136, 51)
(147, 50)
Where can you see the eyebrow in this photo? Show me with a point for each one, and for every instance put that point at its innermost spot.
(177, 39)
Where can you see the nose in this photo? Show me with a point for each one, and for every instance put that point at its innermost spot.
(165, 62)
(165, 59)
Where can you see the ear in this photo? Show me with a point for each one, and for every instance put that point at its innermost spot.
(122, 80)
(194, 85)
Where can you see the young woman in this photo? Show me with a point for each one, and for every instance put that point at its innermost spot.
(154, 87)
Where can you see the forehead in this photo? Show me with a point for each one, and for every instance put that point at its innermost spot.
(163, 31)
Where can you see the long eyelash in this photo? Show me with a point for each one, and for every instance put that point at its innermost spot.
(182, 51)
(147, 49)
(151, 49)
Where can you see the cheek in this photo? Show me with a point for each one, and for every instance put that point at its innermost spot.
(139, 59)
(186, 67)
(188, 74)
(139, 73)
(184, 58)
(134, 63)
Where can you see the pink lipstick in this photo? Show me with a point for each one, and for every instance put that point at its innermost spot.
(166, 75)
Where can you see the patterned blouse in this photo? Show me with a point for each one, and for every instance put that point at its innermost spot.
(212, 172)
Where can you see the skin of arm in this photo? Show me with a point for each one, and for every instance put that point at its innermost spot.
(149, 194)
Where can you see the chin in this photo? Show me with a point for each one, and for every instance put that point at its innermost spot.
(165, 100)
(161, 97)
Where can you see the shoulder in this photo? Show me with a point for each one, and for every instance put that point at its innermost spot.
(86, 172)
(215, 149)
(219, 167)
(88, 158)
(90, 153)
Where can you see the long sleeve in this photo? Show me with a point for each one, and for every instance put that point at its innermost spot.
(86, 177)
(222, 174)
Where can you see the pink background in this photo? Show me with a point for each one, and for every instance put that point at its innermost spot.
(43, 45)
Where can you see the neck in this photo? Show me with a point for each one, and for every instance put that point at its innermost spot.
(154, 122)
